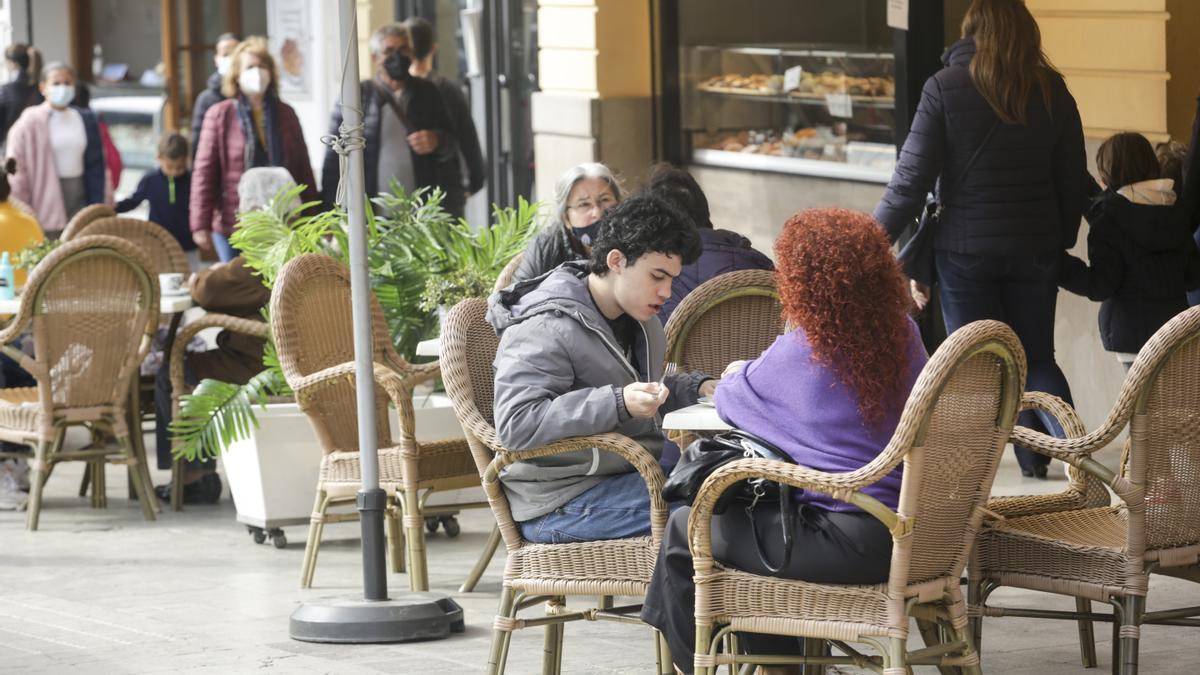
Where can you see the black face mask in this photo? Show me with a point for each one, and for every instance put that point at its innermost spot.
(396, 66)
(586, 235)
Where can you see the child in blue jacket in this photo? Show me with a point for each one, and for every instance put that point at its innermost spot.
(168, 189)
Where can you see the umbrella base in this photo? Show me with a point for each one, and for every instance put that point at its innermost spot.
(407, 617)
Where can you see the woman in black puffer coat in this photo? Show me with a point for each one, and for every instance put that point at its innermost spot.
(1006, 217)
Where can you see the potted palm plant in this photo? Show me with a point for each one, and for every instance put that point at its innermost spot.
(414, 245)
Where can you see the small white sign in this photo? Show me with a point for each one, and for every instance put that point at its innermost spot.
(897, 14)
(840, 105)
(791, 78)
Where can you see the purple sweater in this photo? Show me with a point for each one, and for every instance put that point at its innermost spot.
(786, 397)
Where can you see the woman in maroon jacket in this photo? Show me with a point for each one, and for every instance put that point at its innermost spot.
(251, 128)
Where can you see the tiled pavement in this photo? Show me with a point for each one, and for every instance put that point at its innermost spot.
(104, 592)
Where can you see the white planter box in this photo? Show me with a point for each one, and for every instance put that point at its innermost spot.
(273, 474)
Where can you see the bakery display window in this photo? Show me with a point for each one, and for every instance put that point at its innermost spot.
(821, 110)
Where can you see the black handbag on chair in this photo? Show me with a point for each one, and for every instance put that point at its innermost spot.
(916, 257)
(706, 455)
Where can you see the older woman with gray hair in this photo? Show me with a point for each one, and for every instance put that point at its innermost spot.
(582, 196)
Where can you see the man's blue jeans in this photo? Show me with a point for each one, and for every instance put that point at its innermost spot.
(615, 508)
(225, 250)
(1021, 291)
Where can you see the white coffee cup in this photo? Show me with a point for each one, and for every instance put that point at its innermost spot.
(171, 283)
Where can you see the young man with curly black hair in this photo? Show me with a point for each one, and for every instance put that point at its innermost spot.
(581, 352)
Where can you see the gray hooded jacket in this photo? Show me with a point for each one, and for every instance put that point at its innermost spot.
(559, 374)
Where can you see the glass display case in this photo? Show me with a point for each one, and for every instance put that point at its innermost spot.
(822, 110)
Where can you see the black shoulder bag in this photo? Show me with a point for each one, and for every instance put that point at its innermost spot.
(706, 455)
(917, 255)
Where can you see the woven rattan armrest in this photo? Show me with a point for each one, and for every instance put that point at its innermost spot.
(845, 487)
(184, 336)
(1085, 490)
(416, 373)
(1075, 450)
(622, 446)
(396, 386)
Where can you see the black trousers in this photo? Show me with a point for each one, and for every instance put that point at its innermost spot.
(828, 547)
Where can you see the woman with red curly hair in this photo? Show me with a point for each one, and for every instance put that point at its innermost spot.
(829, 393)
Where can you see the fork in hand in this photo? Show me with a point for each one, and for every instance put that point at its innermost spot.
(668, 371)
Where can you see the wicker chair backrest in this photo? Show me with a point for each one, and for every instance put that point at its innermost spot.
(963, 407)
(469, 345)
(506, 275)
(85, 217)
(313, 328)
(160, 247)
(93, 302)
(729, 317)
(1164, 450)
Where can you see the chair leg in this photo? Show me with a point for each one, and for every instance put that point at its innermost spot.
(37, 480)
(485, 557)
(703, 646)
(814, 647)
(1087, 637)
(931, 633)
(395, 540)
(552, 642)
(1131, 619)
(414, 540)
(87, 479)
(975, 623)
(501, 636)
(894, 660)
(316, 523)
(177, 485)
(662, 655)
(99, 485)
(144, 496)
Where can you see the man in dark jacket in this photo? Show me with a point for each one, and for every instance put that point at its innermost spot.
(222, 57)
(723, 250)
(470, 155)
(1012, 197)
(581, 352)
(407, 131)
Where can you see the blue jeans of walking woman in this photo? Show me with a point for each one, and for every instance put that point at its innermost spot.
(1021, 291)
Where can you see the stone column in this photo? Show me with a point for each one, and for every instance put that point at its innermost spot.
(594, 66)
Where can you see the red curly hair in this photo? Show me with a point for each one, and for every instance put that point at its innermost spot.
(841, 284)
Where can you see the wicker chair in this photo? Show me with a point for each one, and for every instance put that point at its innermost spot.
(506, 275)
(1108, 553)
(166, 256)
(729, 317)
(85, 217)
(312, 325)
(92, 305)
(544, 572)
(950, 438)
(179, 385)
(163, 250)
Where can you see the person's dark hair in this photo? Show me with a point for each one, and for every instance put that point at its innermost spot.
(1126, 158)
(420, 35)
(27, 58)
(10, 167)
(644, 224)
(682, 190)
(1009, 61)
(1171, 155)
(173, 145)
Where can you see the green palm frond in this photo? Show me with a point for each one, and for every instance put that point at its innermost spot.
(216, 414)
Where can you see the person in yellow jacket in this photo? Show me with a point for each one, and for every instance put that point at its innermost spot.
(18, 227)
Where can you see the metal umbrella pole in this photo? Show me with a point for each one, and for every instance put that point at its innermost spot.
(375, 617)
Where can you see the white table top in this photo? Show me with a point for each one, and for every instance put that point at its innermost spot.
(699, 417)
(168, 304)
(429, 347)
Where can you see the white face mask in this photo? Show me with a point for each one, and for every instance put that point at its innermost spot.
(254, 81)
(224, 63)
(61, 95)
